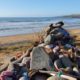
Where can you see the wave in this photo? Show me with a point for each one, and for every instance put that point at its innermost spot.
(27, 19)
(13, 26)
(32, 19)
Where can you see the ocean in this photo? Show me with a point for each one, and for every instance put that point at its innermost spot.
(24, 25)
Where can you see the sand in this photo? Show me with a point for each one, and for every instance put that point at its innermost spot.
(28, 37)
(16, 38)
(34, 37)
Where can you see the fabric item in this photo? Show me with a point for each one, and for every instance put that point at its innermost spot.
(68, 46)
(22, 72)
(75, 74)
(24, 76)
(63, 62)
(55, 49)
(59, 74)
(57, 34)
(61, 33)
(58, 65)
(5, 78)
(66, 62)
(53, 56)
(65, 33)
(6, 75)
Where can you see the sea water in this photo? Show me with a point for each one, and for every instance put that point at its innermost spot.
(23, 25)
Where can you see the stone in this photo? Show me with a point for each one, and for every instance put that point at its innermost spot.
(39, 59)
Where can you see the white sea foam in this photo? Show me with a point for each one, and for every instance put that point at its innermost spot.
(14, 26)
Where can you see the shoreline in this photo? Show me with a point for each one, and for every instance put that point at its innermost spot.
(70, 29)
(29, 36)
(18, 43)
(32, 36)
(44, 28)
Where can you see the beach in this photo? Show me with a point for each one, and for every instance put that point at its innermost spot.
(11, 45)
(39, 40)
(19, 34)
(31, 37)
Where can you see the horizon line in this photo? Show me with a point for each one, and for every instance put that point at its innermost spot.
(37, 16)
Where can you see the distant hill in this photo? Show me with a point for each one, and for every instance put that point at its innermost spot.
(72, 16)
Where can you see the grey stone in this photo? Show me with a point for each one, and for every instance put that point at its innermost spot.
(39, 59)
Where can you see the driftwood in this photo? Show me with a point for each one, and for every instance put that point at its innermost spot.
(3, 67)
(54, 74)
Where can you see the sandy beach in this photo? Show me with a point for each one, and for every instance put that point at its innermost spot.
(16, 38)
(21, 44)
(31, 37)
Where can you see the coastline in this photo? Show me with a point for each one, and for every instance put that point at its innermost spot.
(20, 43)
(30, 37)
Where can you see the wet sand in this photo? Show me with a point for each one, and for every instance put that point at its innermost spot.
(17, 38)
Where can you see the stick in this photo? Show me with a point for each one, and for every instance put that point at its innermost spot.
(54, 74)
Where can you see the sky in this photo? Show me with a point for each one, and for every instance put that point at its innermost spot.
(38, 8)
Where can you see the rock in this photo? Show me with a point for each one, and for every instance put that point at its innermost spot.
(39, 59)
